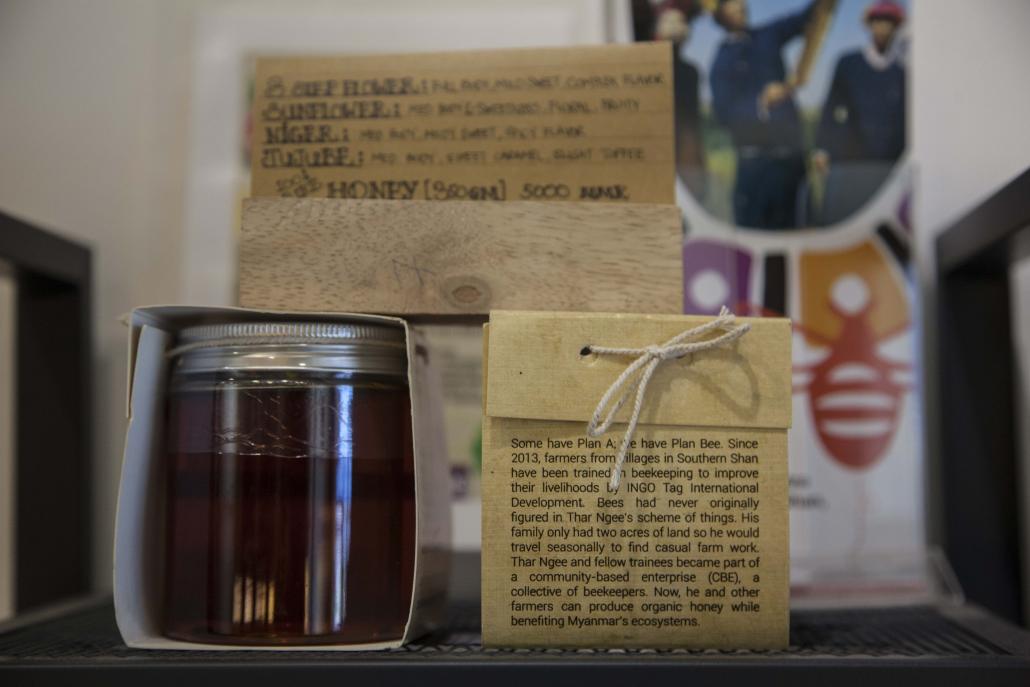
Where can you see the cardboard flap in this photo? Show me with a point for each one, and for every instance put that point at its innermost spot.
(535, 370)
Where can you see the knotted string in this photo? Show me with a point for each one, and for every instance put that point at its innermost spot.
(638, 375)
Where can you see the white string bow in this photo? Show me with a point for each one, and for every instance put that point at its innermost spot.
(649, 358)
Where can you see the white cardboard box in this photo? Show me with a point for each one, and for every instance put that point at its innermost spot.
(138, 545)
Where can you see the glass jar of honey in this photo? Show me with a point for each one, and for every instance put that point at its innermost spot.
(290, 485)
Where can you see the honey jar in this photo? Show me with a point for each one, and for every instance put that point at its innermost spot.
(290, 484)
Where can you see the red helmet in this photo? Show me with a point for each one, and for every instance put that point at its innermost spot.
(885, 9)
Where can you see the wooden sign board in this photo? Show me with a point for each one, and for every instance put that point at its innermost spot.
(416, 258)
(573, 124)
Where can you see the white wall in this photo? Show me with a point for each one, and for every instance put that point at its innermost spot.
(91, 108)
(970, 105)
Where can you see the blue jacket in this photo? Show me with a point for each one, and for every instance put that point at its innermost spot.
(743, 66)
(864, 114)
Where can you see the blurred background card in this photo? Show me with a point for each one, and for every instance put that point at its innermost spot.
(791, 139)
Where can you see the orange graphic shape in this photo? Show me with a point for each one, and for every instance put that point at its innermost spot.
(820, 271)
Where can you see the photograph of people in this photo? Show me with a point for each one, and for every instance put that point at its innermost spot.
(798, 113)
(752, 98)
(862, 127)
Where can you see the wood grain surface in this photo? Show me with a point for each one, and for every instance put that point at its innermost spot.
(459, 258)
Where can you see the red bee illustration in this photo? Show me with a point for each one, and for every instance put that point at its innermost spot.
(854, 392)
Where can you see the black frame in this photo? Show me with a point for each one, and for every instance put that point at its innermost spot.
(977, 469)
(53, 413)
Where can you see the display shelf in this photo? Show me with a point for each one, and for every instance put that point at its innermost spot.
(919, 645)
(974, 452)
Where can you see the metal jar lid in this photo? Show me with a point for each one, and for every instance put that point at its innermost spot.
(318, 346)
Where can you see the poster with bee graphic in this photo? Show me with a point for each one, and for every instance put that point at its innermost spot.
(793, 180)
(856, 466)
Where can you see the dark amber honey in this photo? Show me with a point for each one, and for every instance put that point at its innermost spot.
(290, 514)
